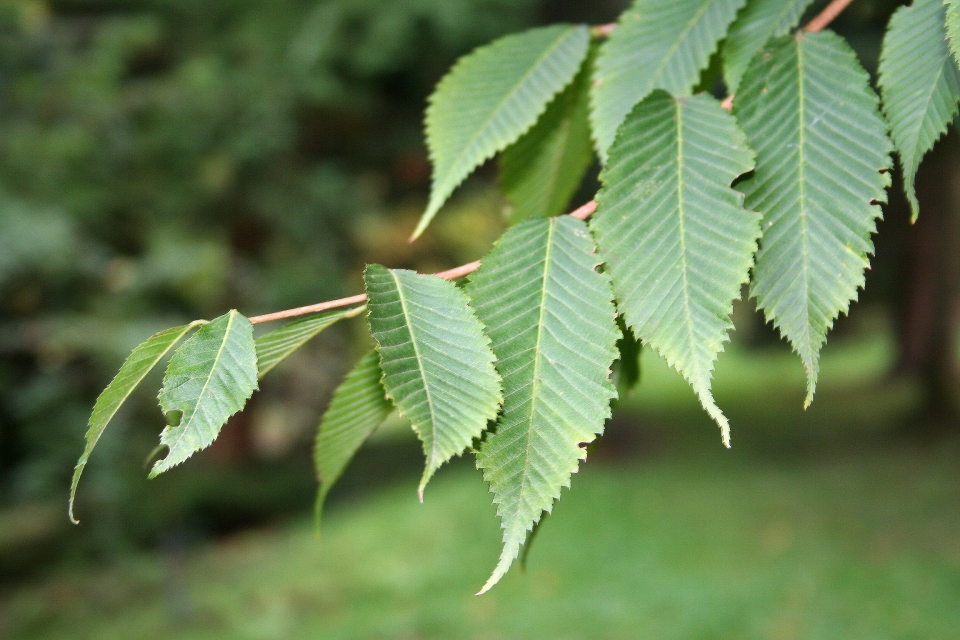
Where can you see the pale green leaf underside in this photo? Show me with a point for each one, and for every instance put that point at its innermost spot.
(436, 361)
(209, 378)
(274, 347)
(673, 234)
(542, 170)
(357, 408)
(491, 97)
(759, 21)
(656, 45)
(953, 27)
(551, 320)
(822, 155)
(920, 84)
(134, 369)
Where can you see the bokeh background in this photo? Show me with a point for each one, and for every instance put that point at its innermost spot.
(165, 160)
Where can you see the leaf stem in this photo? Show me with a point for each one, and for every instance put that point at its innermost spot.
(581, 213)
(825, 17)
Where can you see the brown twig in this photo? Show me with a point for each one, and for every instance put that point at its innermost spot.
(581, 213)
(313, 308)
(825, 17)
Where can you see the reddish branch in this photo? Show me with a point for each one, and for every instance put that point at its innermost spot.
(825, 17)
(818, 23)
(581, 213)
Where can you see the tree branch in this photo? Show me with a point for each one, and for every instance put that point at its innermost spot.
(818, 23)
(825, 17)
(581, 213)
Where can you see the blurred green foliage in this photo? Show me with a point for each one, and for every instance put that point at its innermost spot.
(165, 160)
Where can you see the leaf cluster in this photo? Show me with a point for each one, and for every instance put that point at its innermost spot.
(782, 194)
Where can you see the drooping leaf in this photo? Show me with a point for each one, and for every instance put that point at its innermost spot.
(953, 27)
(675, 237)
(493, 96)
(550, 317)
(274, 347)
(358, 407)
(543, 169)
(656, 45)
(822, 155)
(437, 363)
(920, 84)
(759, 21)
(134, 369)
(209, 378)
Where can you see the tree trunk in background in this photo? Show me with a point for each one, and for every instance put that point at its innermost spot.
(927, 313)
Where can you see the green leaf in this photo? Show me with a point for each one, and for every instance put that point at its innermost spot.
(274, 347)
(673, 234)
(209, 378)
(550, 317)
(656, 45)
(756, 24)
(822, 157)
(920, 83)
(543, 169)
(134, 369)
(493, 96)
(357, 408)
(953, 27)
(437, 363)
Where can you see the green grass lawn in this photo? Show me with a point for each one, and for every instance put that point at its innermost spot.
(816, 525)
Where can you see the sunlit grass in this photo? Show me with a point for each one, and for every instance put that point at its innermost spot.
(865, 546)
(817, 525)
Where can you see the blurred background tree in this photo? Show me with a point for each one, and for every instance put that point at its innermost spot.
(165, 160)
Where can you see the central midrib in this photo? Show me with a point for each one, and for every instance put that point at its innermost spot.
(801, 174)
(683, 233)
(431, 457)
(536, 362)
(206, 383)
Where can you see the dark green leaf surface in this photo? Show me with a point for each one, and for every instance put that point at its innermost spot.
(551, 320)
(759, 21)
(493, 96)
(674, 236)
(358, 407)
(274, 347)
(920, 83)
(209, 378)
(656, 45)
(822, 161)
(134, 369)
(436, 360)
(541, 172)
